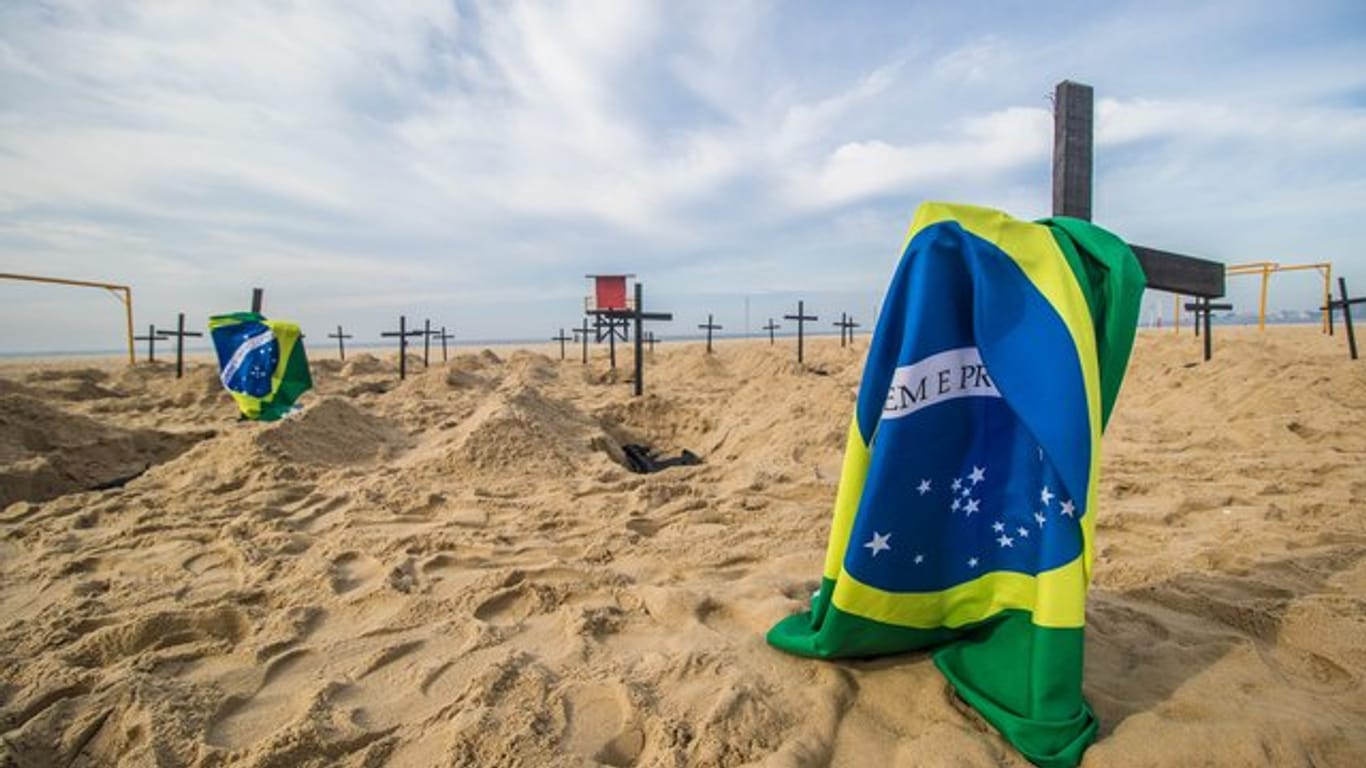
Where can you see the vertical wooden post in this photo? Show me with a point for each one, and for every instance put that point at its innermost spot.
(426, 343)
(1072, 149)
(256, 299)
(1347, 317)
(639, 384)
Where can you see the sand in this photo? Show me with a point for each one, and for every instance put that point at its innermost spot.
(458, 570)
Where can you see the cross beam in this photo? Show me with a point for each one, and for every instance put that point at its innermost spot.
(771, 327)
(1202, 309)
(801, 317)
(1072, 173)
(402, 333)
(710, 326)
(341, 341)
(562, 339)
(179, 335)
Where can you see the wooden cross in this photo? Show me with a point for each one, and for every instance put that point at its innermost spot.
(402, 333)
(341, 343)
(846, 325)
(1345, 304)
(1073, 118)
(562, 339)
(652, 342)
(426, 342)
(1202, 309)
(801, 317)
(637, 316)
(257, 296)
(444, 336)
(179, 333)
(710, 326)
(582, 331)
(771, 327)
(151, 339)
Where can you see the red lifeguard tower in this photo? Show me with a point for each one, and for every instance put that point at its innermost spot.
(609, 294)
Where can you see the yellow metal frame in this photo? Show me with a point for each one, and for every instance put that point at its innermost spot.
(113, 288)
(1266, 268)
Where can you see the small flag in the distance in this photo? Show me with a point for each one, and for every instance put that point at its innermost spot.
(261, 363)
(967, 502)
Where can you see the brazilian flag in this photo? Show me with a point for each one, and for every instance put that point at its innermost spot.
(965, 515)
(261, 363)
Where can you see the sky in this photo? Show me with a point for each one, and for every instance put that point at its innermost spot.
(470, 162)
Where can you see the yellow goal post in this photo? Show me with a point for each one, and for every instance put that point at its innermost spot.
(123, 293)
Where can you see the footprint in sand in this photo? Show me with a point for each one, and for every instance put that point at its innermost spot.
(602, 725)
(212, 572)
(353, 570)
(244, 720)
(1309, 671)
(509, 606)
(318, 512)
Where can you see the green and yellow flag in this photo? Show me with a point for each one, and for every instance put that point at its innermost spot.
(261, 363)
(965, 514)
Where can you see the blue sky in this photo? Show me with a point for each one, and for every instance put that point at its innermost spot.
(471, 161)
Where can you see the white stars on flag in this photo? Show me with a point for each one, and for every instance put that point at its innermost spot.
(879, 543)
(1023, 531)
(958, 483)
(919, 558)
(924, 487)
(972, 562)
(1005, 541)
(978, 474)
(1046, 496)
(1068, 510)
(1040, 519)
(971, 506)
(956, 504)
(998, 527)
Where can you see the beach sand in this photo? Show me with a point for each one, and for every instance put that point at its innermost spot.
(458, 570)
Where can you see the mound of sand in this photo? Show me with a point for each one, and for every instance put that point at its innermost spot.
(331, 431)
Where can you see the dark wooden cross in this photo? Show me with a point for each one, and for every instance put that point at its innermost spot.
(1202, 308)
(562, 339)
(637, 316)
(427, 333)
(444, 336)
(179, 334)
(1345, 304)
(257, 296)
(801, 317)
(151, 339)
(846, 325)
(710, 326)
(582, 332)
(341, 338)
(771, 327)
(651, 340)
(1073, 119)
(402, 333)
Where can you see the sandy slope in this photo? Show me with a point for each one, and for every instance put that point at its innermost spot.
(455, 570)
